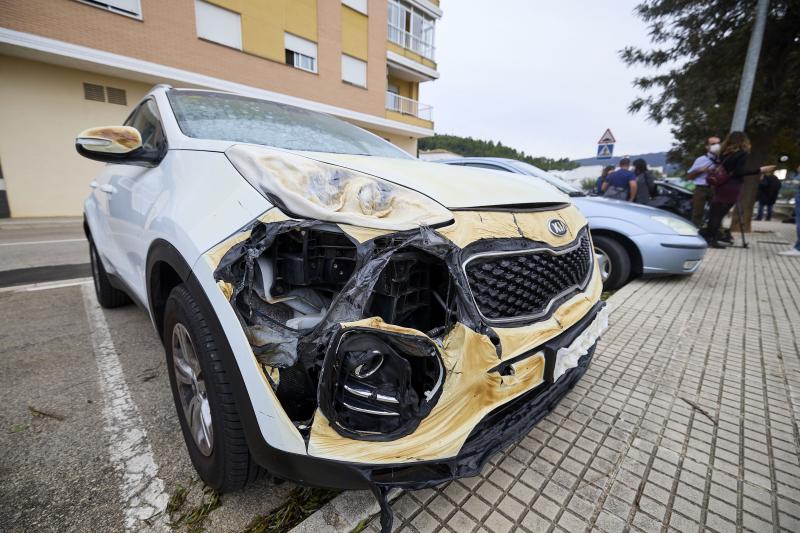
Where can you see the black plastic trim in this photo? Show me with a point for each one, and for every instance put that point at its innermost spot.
(699, 246)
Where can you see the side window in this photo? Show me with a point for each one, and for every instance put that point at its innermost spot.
(145, 119)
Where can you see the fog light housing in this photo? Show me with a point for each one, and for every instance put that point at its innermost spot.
(379, 385)
(691, 264)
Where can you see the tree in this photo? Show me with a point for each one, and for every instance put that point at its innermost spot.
(698, 54)
(469, 147)
(700, 46)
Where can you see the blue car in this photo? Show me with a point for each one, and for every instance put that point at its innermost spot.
(630, 240)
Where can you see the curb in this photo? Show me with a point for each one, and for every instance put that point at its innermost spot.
(343, 513)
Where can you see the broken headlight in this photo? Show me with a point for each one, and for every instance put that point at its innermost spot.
(379, 385)
(312, 189)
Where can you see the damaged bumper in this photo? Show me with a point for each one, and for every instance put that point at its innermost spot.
(409, 358)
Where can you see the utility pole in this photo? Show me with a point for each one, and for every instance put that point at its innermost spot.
(750, 66)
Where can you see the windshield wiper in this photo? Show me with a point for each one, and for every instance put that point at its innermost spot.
(576, 194)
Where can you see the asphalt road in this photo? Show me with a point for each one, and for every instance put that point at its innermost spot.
(34, 251)
(68, 418)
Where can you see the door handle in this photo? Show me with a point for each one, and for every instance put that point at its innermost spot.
(93, 184)
(106, 188)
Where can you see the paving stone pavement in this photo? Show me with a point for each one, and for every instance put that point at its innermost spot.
(687, 418)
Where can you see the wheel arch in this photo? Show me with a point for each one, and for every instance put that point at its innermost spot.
(630, 247)
(165, 269)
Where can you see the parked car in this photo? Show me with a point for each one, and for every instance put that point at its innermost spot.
(332, 309)
(673, 197)
(629, 239)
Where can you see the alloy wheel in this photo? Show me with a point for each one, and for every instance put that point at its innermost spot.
(192, 389)
(603, 263)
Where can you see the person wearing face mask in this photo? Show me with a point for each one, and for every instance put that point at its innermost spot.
(699, 173)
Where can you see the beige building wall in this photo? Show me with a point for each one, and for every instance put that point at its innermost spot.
(42, 109)
(409, 144)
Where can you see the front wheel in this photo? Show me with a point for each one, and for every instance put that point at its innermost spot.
(613, 260)
(207, 411)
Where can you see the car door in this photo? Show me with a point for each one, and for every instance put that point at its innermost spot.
(133, 190)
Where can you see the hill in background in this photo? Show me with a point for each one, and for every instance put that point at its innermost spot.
(469, 147)
(654, 159)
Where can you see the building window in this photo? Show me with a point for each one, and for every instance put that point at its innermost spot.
(99, 93)
(300, 53)
(354, 71)
(411, 28)
(131, 8)
(218, 25)
(358, 5)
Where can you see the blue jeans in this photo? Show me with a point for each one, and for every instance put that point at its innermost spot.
(797, 218)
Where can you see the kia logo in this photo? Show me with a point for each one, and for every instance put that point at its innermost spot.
(557, 227)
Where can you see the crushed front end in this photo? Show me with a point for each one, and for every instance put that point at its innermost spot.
(410, 357)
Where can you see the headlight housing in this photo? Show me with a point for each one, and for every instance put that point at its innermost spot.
(677, 225)
(312, 189)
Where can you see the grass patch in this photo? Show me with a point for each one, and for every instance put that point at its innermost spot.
(301, 503)
(193, 518)
(606, 295)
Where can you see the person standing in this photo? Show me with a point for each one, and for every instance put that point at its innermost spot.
(795, 252)
(598, 186)
(621, 184)
(645, 182)
(768, 189)
(733, 159)
(699, 173)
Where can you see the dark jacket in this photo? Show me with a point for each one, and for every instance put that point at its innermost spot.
(768, 189)
(736, 165)
(645, 187)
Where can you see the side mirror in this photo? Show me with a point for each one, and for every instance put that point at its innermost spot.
(115, 140)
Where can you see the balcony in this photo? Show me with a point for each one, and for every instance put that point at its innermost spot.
(411, 42)
(407, 106)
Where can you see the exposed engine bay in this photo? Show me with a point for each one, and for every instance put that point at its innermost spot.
(391, 347)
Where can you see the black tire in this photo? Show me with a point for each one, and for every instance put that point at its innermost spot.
(228, 466)
(619, 262)
(108, 296)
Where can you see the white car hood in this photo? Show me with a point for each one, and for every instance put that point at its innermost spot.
(452, 186)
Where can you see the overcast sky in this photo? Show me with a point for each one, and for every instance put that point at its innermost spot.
(543, 76)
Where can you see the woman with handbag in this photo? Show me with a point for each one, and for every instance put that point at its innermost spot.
(727, 178)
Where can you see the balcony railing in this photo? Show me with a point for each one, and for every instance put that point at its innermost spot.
(412, 42)
(407, 106)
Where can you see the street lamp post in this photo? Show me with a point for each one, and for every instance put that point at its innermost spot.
(750, 66)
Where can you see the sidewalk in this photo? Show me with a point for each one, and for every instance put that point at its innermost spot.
(687, 418)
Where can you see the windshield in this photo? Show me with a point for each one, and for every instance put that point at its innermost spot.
(230, 117)
(558, 183)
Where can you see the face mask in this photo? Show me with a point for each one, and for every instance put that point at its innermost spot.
(714, 148)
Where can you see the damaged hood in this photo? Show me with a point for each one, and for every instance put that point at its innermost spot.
(452, 186)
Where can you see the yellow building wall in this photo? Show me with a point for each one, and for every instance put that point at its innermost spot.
(42, 109)
(397, 49)
(355, 33)
(409, 89)
(265, 21)
(409, 144)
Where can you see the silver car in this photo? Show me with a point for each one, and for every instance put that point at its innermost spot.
(630, 239)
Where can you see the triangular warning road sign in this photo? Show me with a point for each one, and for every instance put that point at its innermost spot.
(607, 138)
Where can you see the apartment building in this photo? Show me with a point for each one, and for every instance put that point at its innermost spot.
(69, 64)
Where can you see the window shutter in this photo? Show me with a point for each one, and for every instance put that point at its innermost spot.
(218, 25)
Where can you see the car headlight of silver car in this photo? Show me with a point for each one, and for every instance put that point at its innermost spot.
(677, 225)
(312, 189)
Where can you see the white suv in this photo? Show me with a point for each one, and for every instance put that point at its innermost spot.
(332, 309)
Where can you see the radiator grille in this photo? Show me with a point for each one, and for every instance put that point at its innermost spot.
(523, 285)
